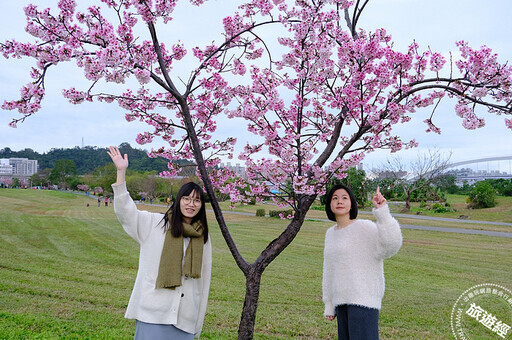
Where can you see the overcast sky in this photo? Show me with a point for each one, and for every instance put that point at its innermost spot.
(434, 23)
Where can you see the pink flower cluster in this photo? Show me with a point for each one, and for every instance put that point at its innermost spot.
(508, 123)
(469, 119)
(150, 10)
(83, 187)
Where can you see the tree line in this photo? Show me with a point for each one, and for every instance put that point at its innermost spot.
(481, 194)
(88, 158)
(90, 169)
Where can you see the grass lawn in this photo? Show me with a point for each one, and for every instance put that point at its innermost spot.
(66, 271)
(502, 212)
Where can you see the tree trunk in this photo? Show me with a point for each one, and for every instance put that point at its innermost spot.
(252, 292)
(408, 202)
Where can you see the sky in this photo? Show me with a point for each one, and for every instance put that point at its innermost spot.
(437, 24)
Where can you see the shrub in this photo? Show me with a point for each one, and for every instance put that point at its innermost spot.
(443, 210)
(483, 195)
(440, 208)
(260, 212)
(436, 206)
(276, 213)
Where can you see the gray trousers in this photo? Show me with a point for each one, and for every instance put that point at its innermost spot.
(151, 331)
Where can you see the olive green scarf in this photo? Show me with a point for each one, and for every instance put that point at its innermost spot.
(170, 269)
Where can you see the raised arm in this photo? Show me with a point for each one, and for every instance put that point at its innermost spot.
(120, 162)
(390, 235)
(138, 224)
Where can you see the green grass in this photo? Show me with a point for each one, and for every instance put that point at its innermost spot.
(66, 271)
(502, 212)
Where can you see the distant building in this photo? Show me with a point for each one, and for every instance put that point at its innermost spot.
(17, 167)
(391, 174)
(237, 169)
(470, 176)
(5, 168)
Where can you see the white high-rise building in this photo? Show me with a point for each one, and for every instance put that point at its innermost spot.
(237, 169)
(6, 170)
(18, 167)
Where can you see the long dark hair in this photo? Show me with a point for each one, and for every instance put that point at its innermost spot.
(176, 222)
(353, 202)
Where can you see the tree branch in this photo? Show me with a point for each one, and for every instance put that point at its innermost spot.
(171, 88)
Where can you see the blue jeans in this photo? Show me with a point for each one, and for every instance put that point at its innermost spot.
(357, 323)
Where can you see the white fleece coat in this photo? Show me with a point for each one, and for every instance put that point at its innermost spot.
(353, 261)
(183, 307)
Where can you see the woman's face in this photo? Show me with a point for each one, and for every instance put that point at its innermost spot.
(190, 206)
(340, 203)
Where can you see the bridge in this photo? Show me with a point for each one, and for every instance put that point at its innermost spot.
(471, 176)
(480, 160)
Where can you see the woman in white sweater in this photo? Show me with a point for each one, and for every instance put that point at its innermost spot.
(353, 273)
(170, 294)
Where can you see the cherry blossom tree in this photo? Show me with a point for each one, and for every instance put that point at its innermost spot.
(83, 187)
(6, 182)
(317, 96)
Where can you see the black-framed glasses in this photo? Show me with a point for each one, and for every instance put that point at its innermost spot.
(188, 200)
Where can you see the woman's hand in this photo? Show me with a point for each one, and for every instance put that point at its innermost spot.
(378, 200)
(330, 317)
(120, 162)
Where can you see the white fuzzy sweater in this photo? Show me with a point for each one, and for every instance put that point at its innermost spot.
(353, 261)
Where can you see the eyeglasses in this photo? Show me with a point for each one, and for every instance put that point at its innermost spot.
(188, 200)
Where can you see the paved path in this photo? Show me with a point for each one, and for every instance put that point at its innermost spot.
(458, 230)
(433, 218)
(453, 230)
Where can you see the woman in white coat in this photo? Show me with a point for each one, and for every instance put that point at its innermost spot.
(170, 294)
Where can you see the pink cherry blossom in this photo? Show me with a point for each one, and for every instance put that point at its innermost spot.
(508, 123)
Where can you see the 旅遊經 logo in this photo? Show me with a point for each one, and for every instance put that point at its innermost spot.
(483, 312)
